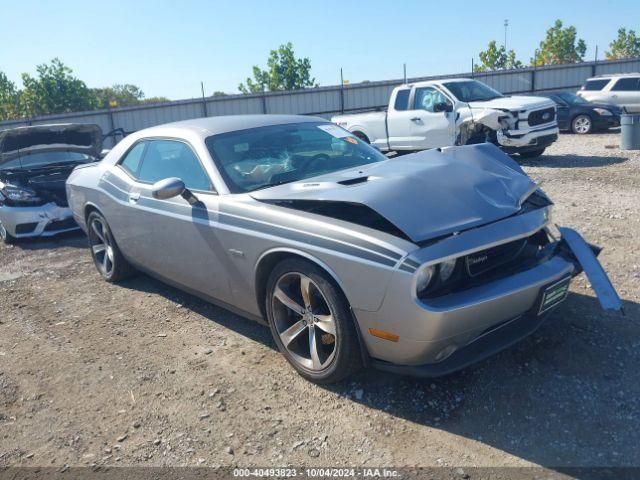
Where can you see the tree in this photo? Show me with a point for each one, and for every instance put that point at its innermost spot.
(9, 96)
(626, 45)
(54, 90)
(284, 72)
(560, 46)
(118, 95)
(125, 95)
(496, 58)
(160, 99)
(220, 93)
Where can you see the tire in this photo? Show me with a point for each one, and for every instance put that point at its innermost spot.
(106, 255)
(532, 153)
(6, 237)
(324, 320)
(582, 124)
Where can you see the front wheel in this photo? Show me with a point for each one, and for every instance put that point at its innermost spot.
(311, 322)
(532, 153)
(6, 237)
(581, 124)
(105, 252)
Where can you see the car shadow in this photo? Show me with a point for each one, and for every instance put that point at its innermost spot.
(567, 396)
(75, 239)
(237, 323)
(570, 161)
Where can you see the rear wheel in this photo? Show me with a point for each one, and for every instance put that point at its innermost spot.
(105, 253)
(7, 238)
(532, 153)
(311, 322)
(581, 124)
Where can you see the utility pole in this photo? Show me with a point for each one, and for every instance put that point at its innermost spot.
(506, 24)
(405, 72)
(204, 101)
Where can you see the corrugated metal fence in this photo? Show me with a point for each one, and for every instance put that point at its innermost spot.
(327, 101)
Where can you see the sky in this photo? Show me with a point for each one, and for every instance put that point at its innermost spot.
(168, 47)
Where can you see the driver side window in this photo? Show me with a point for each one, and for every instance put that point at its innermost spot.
(170, 158)
(426, 98)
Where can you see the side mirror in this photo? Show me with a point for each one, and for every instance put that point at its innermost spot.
(443, 107)
(168, 188)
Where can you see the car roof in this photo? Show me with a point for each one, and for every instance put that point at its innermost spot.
(205, 127)
(609, 76)
(439, 81)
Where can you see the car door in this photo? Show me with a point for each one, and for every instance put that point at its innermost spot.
(563, 112)
(626, 92)
(173, 238)
(426, 126)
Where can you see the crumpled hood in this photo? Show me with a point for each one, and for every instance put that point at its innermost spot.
(515, 103)
(70, 137)
(427, 194)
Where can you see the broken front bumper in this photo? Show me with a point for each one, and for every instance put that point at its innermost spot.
(516, 140)
(40, 221)
(444, 334)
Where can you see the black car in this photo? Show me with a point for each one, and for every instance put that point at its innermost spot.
(581, 116)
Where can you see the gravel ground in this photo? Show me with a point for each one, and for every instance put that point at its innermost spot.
(143, 374)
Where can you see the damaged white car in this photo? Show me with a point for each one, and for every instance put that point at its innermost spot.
(35, 163)
(459, 111)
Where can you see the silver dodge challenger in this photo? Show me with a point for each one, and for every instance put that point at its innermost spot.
(420, 264)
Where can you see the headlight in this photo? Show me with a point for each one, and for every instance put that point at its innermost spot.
(424, 277)
(446, 269)
(602, 111)
(19, 194)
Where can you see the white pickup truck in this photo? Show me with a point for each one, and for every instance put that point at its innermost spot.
(460, 111)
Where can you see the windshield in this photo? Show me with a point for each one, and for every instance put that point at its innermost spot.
(44, 159)
(266, 156)
(572, 98)
(472, 91)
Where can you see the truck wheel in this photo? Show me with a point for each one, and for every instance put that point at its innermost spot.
(532, 153)
(6, 237)
(362, 137)
(582, 124)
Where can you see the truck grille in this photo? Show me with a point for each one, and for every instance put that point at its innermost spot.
(538, 117)
(480, 262)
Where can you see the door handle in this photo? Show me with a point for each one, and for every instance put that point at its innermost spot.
(416, 120)
(134, 197)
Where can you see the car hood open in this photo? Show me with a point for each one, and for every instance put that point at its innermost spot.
(424, 195)
(21, 141)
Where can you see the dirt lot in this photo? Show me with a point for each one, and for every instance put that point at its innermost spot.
(142, 374)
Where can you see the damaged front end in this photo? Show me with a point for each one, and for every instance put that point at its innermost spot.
(35, 163)
(34, 203)
(484, 125)
(487, 265)
(513, 130)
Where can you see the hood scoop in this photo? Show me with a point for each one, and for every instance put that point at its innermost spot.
(354, 181)
(420, 196)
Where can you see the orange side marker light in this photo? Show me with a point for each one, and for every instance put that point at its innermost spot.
(384, 335)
